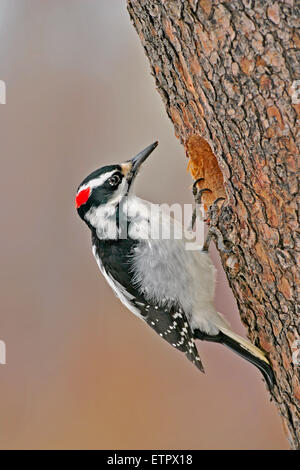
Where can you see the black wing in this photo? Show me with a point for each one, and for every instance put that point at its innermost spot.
(172, 325)
(169, 322)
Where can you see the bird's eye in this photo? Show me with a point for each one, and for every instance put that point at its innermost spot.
(114, 180)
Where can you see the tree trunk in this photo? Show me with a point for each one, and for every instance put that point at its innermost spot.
(226, 72)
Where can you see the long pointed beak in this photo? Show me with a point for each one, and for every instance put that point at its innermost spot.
(142, 156)
(131, 167)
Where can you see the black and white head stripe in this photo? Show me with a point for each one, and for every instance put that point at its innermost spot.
(102, 186)
(95, 182)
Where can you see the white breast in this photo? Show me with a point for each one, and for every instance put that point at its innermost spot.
(167, 273)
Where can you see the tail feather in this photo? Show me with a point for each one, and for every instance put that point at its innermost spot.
(244, 349)
(245, 344)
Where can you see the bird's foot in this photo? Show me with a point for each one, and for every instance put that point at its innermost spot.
(197, 193)
(214, 231)
(214, 211)
(212, 218)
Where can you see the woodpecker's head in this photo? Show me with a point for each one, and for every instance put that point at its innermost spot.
(107, 186)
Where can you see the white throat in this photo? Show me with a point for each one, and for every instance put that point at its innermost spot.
(121, 218)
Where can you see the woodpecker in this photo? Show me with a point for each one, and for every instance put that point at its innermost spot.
(156, 278)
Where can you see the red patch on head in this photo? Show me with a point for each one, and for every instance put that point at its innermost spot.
(82, 197)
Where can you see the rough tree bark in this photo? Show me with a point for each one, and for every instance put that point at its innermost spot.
(226, 72)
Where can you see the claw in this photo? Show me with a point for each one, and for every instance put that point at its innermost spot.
(195, 189)
(214, 232)
(198, 196)
(218, 200)
(197, 193)
(214, 208)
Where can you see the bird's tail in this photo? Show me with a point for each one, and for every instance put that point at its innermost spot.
(244, 349)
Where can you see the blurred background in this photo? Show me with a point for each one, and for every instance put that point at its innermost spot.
(82, 371)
